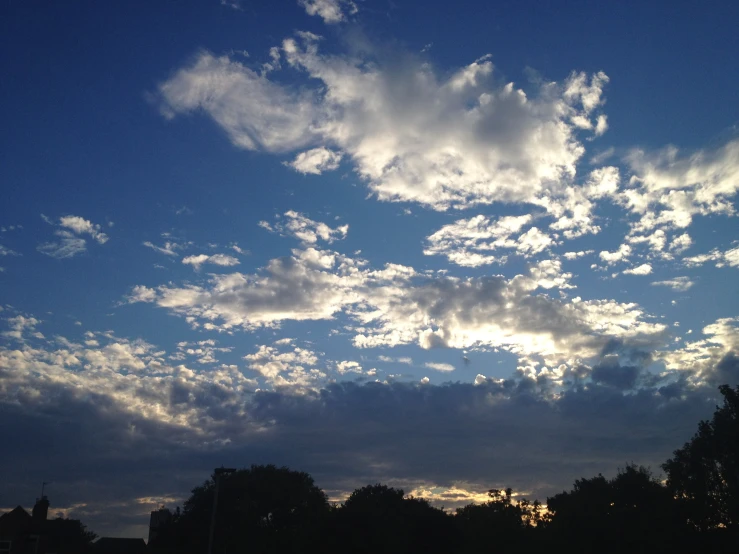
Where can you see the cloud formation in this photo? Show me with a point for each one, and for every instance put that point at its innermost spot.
(306, 230)
(70, 232)
(223, 260)
(331, 11)
(457, 141)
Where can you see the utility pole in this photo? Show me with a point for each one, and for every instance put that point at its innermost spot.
(219, 471)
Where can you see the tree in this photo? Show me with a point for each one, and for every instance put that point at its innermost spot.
(68, 535)
(378, 518)
(703, 475)
(499, 521)
(263, 508)
(633, 512)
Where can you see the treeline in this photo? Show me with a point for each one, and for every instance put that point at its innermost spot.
(267, 509)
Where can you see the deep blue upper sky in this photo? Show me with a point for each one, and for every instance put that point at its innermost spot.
(173, 228)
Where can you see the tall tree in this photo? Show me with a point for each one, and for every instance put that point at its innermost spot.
(260, 509)
(703, 475)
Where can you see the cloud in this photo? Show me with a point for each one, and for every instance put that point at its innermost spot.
(256, 113)
(643, 269)
(620, 255)
(293, 368)
(69, 242)
(701, 359)
(4, 251)
(305, 229)
(679, 284)
(316, 161)
(471, 242)
(19, 325)
(170, 248)
(112, 422)
(721, 259)
(331, 11)
(668, 189)
(576, 255)
(439, 366)
(223, 260)
(456, 141)
(81, 226)
(395, 306)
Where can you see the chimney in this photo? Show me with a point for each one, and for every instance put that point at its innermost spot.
(40, 509)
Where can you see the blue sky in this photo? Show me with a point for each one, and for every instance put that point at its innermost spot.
(448, 246)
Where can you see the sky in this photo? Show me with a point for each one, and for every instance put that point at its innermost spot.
(443, 246)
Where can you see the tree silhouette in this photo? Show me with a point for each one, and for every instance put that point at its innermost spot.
(378, 518)
(703, 475)
(633, 512)
(270, 509)
(498, 521)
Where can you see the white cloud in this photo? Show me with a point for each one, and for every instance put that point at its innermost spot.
(316, 161)
(4, 251)
(643, 269)
(66, 247)
(170, 248)
(681, 243)
(331, 11)
(256, 113)
(620, 255)
(395, 306)
(293, 368)
(305, 229)
(578, 254)
(215, 259)
(680, 284)
(703, 358)
(437, 366)
(721, 259)
(412, 136)
(471, 242)
(19, 325)
(69, 243)
(668, 189)
(81, 226)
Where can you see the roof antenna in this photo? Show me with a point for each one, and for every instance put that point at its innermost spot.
(43, 486)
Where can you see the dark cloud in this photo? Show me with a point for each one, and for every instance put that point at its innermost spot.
(497, 433)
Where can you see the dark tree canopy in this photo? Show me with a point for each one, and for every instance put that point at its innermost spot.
(704, 474)
(273, 509)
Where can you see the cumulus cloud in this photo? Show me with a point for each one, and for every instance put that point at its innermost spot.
(395, 305)
(643, 269)
(721, 259)
(456, 141)
(305, 229)
(81, 226)
(578, 254)
(20, 325)
(331, 11)
(223, 260)
(291, 367)
(620, 255)
(470, 242)
(316, 161)
(69, 232)
(712, 359)
(679, 284)
(668, 188)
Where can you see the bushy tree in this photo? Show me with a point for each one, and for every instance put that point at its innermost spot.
(262, 509)
(703, 475)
